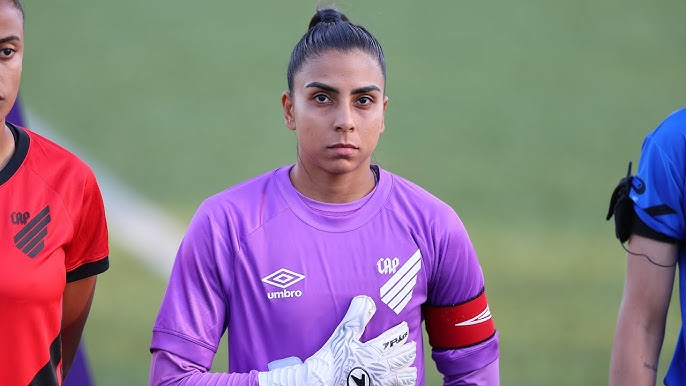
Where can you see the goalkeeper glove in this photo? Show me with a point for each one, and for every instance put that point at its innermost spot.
(345, 361)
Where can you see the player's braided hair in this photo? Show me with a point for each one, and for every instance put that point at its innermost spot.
(330, 29)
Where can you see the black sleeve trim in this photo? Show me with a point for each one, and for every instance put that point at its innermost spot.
(88, 269)
(642, 229)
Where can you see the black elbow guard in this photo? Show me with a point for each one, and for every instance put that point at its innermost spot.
(622, 207)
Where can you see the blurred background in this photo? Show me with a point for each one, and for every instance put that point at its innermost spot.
(521, 115)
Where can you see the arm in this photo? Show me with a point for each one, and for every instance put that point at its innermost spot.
(171, 370)
(643, 311)
(457, 316)
(465, 367)
(85, 257)
(488, 375)
(386, 360)
(78, 296)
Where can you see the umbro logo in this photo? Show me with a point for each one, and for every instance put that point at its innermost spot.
(31, 238)
(283, 278)
(397, 291)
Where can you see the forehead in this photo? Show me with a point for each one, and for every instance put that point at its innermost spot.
(355, 68)
(11, 20)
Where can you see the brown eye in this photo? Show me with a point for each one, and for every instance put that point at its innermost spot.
(321, 98)
(365, 100)
(7, 52)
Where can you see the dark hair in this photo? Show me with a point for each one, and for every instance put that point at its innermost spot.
(16, 4)
(329, 29)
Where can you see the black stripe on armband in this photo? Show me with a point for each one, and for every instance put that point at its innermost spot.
(642, 229)
(88, 269)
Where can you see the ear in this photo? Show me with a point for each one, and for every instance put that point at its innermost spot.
(287, 104)
(383, 117)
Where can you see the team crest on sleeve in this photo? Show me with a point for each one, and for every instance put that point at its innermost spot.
(283, 278)
(398, 290)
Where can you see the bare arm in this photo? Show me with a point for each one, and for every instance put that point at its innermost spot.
(78, 296)
(643, 312)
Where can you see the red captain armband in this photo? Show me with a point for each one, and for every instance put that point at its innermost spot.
(461, 325)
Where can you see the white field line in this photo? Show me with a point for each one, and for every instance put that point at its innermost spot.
(141, 228)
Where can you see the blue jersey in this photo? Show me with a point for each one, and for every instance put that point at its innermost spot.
(658, 194)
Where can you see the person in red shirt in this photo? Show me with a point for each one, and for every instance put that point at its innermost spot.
(53, 236)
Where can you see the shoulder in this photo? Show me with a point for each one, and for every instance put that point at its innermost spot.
(244, 193)
(55, 173)
(670, 133)
(51, 160)
(243, 207)
(407, 195)
(421, 210)
(662, 153)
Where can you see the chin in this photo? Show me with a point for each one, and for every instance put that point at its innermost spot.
(343, 167)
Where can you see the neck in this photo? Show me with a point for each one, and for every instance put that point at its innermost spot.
(6, 145)
(333, 188)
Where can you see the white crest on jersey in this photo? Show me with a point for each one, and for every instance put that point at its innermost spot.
(397, 291)
(387, 265)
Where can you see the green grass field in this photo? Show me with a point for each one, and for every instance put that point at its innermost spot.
(522, 115)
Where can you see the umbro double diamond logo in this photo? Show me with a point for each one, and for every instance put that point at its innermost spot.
(31, 238)
(283, 278)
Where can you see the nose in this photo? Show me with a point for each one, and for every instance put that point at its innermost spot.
(344, 119)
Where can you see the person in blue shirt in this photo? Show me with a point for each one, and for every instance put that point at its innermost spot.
(649, 214)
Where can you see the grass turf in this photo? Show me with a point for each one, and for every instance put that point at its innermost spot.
(522, 116)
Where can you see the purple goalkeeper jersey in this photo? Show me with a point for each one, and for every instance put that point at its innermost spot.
(278, 270)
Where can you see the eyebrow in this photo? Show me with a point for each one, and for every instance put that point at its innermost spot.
(326, 87)
(9, 39)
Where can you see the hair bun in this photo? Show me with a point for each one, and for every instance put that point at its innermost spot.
(327, 15)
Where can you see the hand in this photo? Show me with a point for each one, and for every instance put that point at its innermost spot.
(345, 361)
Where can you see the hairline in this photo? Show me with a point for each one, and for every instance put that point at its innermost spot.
(317, 55)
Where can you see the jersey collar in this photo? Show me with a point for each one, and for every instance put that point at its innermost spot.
(21, 148)
(341, 217)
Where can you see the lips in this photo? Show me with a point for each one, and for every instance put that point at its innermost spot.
(343, 146)
(343, 149)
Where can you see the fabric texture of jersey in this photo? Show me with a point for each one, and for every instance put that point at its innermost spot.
(279, 270)
(52, 231)
(658, 195)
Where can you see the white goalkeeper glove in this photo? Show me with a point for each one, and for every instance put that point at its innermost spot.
(345, 361)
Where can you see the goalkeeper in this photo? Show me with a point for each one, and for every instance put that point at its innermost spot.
(323, 271)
